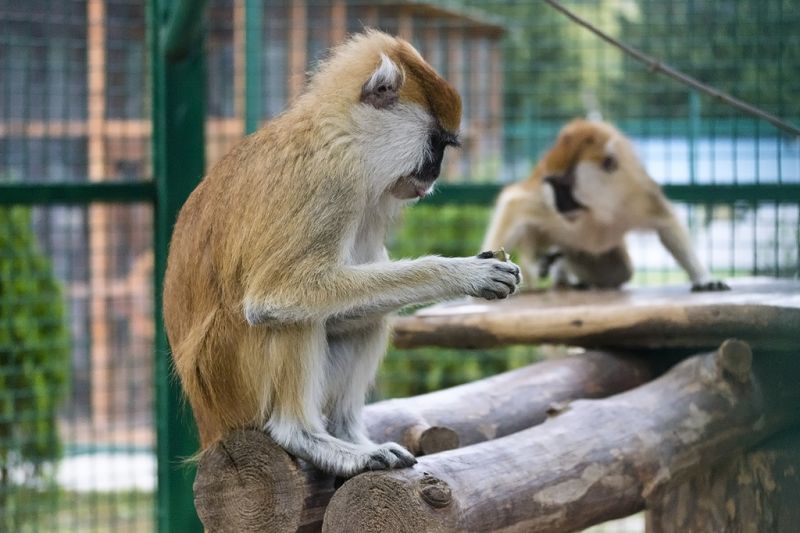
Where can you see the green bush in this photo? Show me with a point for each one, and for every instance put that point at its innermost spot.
(34, 359)
(455, 231)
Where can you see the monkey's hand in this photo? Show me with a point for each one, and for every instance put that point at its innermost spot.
(711, 285)
(488, 278)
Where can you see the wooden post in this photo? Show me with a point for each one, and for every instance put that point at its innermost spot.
(239, 59)
(338, 21)
(298, 47)
(593, 461)
(753, 492)
(99, 227)
(405, 23)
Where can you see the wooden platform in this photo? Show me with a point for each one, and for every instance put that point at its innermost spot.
(764, 312)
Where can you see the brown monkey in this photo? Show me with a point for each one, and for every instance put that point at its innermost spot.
(278, 282)
(581, 199)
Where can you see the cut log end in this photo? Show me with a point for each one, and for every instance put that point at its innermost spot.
(734, 358)
(387, 501)
(438, 439)
(248, 483)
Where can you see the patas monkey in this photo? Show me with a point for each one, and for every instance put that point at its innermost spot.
(278, 282)
(581, 199)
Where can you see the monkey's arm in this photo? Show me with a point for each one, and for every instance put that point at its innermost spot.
(676, 240)
(379, 287)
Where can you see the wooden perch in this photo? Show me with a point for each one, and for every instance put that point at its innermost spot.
(502, 404)
(765, 313)
(248, 483)
(595, 460)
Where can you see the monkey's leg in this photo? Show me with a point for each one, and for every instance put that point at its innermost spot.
(353, 360)
(675, 239)
(608, 270)
(298, 363)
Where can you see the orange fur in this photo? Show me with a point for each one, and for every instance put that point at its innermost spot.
(275, 225)
(614, 202)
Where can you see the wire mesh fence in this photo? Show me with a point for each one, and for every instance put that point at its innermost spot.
(77, 432)
(76, 353)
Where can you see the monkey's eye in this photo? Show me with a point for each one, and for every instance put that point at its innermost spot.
(609, 163)
(448, 139)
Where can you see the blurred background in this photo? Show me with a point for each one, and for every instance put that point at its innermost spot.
(86, 400)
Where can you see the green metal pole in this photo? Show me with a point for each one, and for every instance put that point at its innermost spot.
(254, 45)
(178, 113)
(694, 134)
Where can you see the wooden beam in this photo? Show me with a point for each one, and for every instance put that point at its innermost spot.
(239, 60)
(503, 404)
(595, 460)
(298, 47)
(405, 23)
(338, 21)
(99, 226)
(764, 312)
(455, 75)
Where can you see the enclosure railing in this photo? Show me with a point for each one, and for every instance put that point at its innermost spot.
(178, 113)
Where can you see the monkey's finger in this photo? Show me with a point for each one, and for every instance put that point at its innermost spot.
(378, 461)
(714, 285)
(511, 268)
(488, 294)
(511, 286)
(404, 457)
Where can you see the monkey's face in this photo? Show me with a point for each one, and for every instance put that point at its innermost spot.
(421, 180)
(582, 172)
(406, 116)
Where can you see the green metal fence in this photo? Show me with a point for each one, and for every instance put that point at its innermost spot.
(111, 109)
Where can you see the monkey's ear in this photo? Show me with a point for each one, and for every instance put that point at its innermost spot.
(382, 89)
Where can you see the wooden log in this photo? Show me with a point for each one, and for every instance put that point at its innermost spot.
(248, 483)
(502, 404)
(596, 460)
(754, 492)
(765, 313)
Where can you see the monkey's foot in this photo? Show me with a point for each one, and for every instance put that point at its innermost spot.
(338, 457)
(347, 463)
(713, 285)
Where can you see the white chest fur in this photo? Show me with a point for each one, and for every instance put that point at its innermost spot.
(366, 243)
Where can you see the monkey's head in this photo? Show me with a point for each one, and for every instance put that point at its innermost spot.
(591, 168)
(401, 115)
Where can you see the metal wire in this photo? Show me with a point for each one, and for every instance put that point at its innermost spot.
(76, 169)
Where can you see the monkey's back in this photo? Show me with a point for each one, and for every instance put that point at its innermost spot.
(260, 214)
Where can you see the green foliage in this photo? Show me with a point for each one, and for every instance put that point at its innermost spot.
(542, 75)
(455, 231)
(34, 357)
(448, 230)
(412, 372)
(749, 48)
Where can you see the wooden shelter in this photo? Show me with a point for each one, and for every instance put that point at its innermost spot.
(648, 417)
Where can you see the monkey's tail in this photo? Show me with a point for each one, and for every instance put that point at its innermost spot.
(191, 359)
